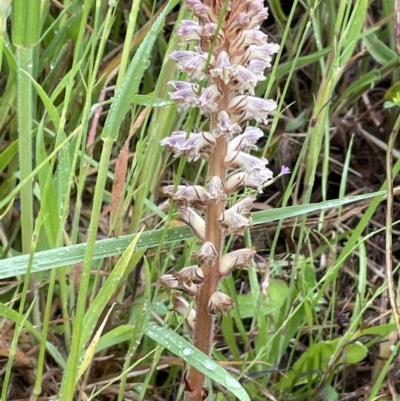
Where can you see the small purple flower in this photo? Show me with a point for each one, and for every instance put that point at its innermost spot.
(285, 170)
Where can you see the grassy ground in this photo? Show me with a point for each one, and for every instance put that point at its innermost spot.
(85, 231)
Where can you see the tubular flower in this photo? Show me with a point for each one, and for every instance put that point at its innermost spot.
(182, 307)
(206, 254)
(232, 260)
(219, 302)
(193, 145)
(194, 195)
(193, 220)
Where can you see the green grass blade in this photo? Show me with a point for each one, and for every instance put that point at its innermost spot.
(180, 347)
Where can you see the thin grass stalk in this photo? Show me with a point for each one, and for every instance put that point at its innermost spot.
(26, 26)
(4, 5)
(127, 42)
(393, 293)
(68, 291)
(68, 384)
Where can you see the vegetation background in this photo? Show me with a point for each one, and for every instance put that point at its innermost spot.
(85, 231)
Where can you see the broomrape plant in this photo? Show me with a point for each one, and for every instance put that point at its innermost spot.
(230, 55)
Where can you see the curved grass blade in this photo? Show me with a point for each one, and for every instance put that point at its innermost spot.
(182, 348)
(70, 255)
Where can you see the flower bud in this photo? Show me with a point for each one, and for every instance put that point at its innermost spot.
(220, 302)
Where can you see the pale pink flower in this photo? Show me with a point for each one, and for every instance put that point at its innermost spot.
(190, 274)
(254, 37)
(246, 80)
(193, 62)
(263, 52)
(173, 283)
(244, 206)
(250, 107)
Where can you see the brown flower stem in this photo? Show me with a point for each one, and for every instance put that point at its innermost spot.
(203, 336)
